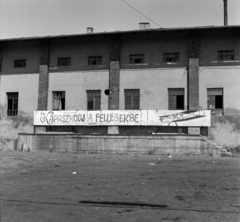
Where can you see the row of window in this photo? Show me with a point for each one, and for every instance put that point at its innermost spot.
(133, 59)
(132, 100)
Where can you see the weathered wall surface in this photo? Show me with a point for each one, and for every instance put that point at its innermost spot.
(224, 77)
(79, 49)
(212, 41)
(75, 85)
(153, 45)
(161, 145)
(27, 87)
(153, 85)
(28, 50)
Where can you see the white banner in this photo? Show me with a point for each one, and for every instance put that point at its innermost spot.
(123, 118)
(179, 118)
(60, 118)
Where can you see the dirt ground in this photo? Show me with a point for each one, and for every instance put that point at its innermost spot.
(66, 187)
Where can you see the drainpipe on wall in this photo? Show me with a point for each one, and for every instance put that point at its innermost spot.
(225, 12)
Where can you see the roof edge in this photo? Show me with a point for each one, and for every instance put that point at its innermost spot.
(120, 32)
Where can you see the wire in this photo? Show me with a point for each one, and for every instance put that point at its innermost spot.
(216, 15)
(141, 13)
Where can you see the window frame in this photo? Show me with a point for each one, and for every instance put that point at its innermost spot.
(171, 55)
(94, 94)
(20, 63)
(225, 55)
(135, 57)
(62, 101)
(64, 61)
(219, 92)
(12, 112)
(173, 95)
(133, 99)
(95, 60)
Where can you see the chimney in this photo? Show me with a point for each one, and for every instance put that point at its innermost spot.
(144, 25)
(89, 30)
(225, 12)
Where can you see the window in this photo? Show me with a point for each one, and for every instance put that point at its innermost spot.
(170, 57)
(136, 59)
(95, 60)
(93, 99)
(226, 55)
(12, 104)
(132, 99)
(215, 98)
(64, 61)
(20, 63)
(58, 100)
(175, 98)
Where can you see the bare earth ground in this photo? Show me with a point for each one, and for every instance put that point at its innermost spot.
(108, 188)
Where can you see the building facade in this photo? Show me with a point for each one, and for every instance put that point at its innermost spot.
(165, 69)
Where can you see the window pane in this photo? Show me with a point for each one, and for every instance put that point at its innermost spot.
(12, 104)
(211, 102)
(180, 102)
(97, 103)
(128, 102)
(90, 104)
(171, 102)
(219, 102)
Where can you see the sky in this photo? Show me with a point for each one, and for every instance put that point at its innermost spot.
(29, 18)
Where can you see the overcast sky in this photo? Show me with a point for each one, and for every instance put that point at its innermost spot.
(25, 18)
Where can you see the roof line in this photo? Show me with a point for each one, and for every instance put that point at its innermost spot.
(120, 32)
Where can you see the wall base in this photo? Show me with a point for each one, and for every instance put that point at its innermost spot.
(157, 144)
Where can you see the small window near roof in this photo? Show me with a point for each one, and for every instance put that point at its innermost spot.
(226, 55)
(95, 60)
(19, 63)
(171, 57)
(136, 59)
(64, 61)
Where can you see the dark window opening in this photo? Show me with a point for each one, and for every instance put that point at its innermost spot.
(219, 102)
(93, 99)
(95, 60)
(176, 99)
(64, 61)
(132, 99)
(215, 98)
(170, 57)
(136, 59)
(226, 55)
(180, 102)
(58, 100)
(19, 63)
(12, 104)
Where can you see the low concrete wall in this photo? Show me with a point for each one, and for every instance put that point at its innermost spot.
(154, 144)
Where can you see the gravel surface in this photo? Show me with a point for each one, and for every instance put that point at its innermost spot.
(66, 187)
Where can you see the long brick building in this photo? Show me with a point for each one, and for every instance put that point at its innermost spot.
(166, 69)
